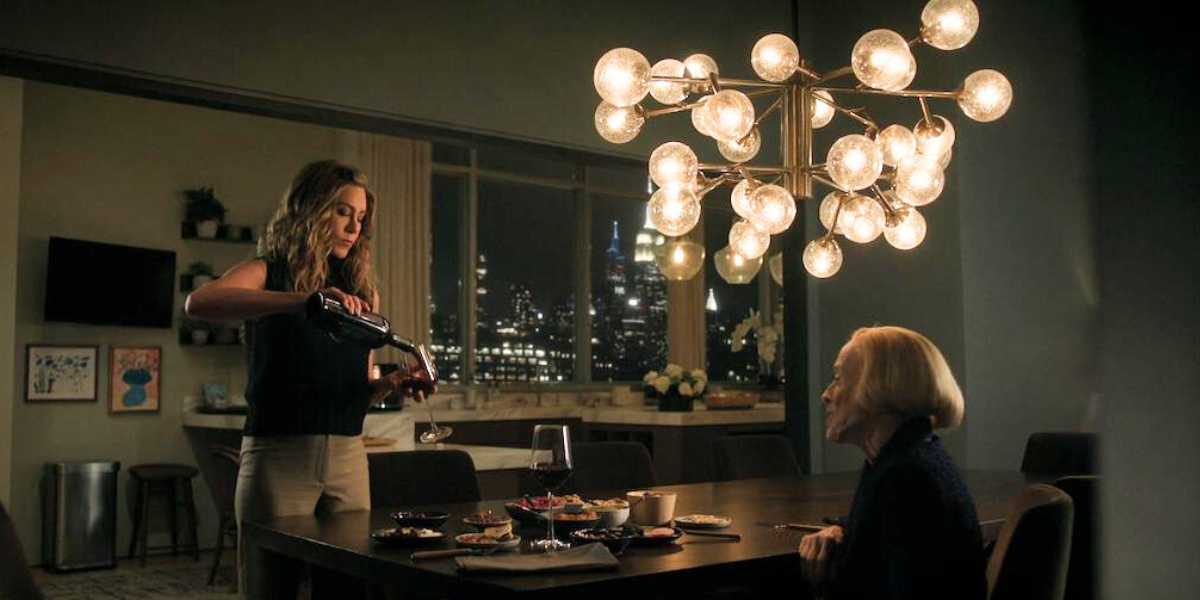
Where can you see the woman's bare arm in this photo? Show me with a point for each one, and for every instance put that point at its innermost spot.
(239, 295)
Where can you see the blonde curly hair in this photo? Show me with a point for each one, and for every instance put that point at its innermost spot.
(299, 232)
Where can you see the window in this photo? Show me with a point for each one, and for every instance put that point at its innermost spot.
(727, 305)
(525, 304)
(449, 193)
(629, 294)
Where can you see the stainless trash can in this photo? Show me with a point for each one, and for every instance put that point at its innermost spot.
(79, 515)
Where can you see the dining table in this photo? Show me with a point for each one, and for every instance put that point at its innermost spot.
(764, 558)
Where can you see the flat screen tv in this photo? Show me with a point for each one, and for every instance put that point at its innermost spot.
(107, 284)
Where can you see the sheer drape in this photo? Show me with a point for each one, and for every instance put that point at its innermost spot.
(400, 173)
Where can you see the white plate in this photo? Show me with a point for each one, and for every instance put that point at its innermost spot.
(463, 542)
(690, 522)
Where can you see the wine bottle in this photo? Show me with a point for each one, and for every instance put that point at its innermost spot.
(367, 329)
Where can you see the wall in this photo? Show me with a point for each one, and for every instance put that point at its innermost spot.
(521, 69)
(11, 93)
(1030, 289)
(110, 168)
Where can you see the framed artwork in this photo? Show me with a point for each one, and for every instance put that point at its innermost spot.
(135, 379)
(60, 373)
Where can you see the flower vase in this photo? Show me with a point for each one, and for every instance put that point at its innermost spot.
(207, 229)
(673, 401)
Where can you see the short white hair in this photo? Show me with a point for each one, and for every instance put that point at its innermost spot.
(903, 373)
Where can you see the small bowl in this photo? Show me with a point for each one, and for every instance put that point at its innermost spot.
(430, 519)
(497, 520)
(617, 539)
(565, 527)
(611, 517)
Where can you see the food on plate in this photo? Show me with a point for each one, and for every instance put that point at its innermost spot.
(658, 532)
(606, 534)
(491, 535)
(704, 520)
(542, 503)
(488, 518)
(583, 516)
(410, 532)
(610, 504)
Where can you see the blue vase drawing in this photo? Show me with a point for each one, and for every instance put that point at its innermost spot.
(137, 380)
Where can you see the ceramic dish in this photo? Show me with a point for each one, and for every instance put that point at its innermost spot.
(478, 541)
(645, 540)
(616, 539)
(430, 519)
(490, 519)
(406, 536)
(703, 522)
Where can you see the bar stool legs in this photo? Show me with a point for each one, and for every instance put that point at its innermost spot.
(162, 481)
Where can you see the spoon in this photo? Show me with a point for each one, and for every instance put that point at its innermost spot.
(435, 433)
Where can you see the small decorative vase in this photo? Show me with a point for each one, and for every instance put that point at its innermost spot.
(199, 280)
(136, 379)
(672, 401)
(207, 229)
(199, 336)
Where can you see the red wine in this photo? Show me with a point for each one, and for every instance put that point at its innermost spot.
(551, 477)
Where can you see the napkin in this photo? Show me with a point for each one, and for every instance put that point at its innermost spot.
(590, 557)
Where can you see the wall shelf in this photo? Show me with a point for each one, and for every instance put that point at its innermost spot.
(229, 233)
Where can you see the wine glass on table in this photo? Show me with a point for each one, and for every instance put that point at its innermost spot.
(551, 466)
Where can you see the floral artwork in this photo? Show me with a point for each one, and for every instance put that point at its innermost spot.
(135, 384)
(54, 373)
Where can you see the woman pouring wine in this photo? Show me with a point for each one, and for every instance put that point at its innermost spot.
(308, 393)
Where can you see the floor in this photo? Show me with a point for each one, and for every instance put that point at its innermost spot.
(180, 578)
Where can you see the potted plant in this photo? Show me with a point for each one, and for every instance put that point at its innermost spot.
(201, 273)
(769, 341)
(204, 211)
(675, 388)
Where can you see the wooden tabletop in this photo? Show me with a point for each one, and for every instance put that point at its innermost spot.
(343, 542)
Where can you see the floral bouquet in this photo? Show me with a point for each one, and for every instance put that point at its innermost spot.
(675, 388)
(768, 340)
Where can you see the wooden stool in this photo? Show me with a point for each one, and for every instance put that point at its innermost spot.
(162, 480)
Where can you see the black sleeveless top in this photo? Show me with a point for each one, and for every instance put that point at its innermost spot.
(302, 382)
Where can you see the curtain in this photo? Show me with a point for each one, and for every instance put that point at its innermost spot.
(686, 343)
(400, 174)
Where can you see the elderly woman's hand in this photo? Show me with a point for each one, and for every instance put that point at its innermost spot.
(816, 550)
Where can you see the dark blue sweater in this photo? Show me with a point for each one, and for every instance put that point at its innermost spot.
(912, 530)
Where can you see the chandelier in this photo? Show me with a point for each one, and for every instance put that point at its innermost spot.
(878, 178)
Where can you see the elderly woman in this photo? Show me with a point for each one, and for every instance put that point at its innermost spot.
(912, 530)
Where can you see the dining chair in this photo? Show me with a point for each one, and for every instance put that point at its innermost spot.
(223, 486)
(1081, 571)
(1034, 547)
(1060, 453)
(420, 477)
(754, 457)
(16, 579)
(610, 467)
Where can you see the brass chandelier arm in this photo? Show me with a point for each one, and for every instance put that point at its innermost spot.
(827, 183)
(809, 73)
(770, 109)
(834, 74)
(721, 81)
(928, 116)
(739, 167)
(900, 94)
(666, 110)
(857, 114)
(881, 199)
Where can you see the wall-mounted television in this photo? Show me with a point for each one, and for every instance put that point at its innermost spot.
(108, 284)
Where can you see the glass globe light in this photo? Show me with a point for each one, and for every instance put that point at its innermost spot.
(748, 240)
(774, 209)
(745, 149)
(674, 210)
(862, 218)
(775, 57)
(949, 24)
(668, 92)
(729, 115)
(673, 164)
(829, 207)
(919, 180)
(700, 66)
(822, 110)
(740, 198)
(679, 259)
(698, 117)
(881, 59)
(932, 142)
(619, 124)
(944, 159)
(897, 144)
(622, 77)
(822, 257)
(775, 266)
(909, 231)
(985, 96)
(734, 268)
(854, 162)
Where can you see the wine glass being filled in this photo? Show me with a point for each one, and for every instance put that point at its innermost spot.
(551, 465)
(308, 393)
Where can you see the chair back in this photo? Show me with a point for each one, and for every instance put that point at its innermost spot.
(1060, 453)
(609, 467)
(226, 461)
(421, 477)
(1081, 571)
(16, 580)
(754, 456)
(1034, 547)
